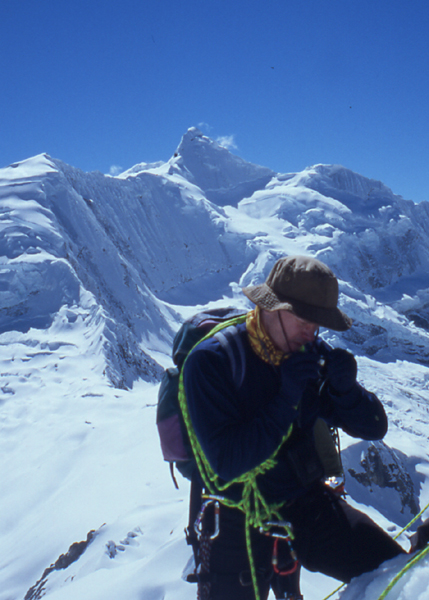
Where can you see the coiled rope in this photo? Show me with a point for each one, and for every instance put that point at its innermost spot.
(257, 511)
(252, 503)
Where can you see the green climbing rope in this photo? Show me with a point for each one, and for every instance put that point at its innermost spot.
(413, 561)
(252, 503)
(418, 515)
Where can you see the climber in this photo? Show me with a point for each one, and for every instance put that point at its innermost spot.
(259, 475)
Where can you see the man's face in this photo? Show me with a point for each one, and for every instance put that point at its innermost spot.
(289, 332)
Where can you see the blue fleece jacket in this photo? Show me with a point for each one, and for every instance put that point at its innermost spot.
(240, 427)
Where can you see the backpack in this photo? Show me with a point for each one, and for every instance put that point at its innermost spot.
(174, 440)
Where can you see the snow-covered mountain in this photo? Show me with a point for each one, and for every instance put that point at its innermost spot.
(96, 274)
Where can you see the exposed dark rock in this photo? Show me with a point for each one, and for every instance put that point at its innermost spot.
(382, 467)
(75, 551)
(420, 316)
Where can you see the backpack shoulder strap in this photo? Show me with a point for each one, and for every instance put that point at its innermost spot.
(231, 341)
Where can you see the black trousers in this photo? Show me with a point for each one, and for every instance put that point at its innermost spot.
(331, 537)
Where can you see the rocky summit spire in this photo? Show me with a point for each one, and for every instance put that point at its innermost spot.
(224, 177)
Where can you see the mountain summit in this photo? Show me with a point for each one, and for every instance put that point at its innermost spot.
(185, 231)
(224, 177)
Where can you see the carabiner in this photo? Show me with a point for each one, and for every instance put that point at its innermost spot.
(283, 524)
(198, 525)
(287, 536)
(275, 559)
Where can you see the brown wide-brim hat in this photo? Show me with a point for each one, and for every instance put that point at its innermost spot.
(305, 287)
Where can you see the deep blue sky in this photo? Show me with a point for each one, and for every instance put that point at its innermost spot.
(99, 83)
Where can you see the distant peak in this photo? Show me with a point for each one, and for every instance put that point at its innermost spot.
(346, 179)
(194, 132)
(195, 147)
(224, 177)
(354, 190)
(30, 167)
(192, 136)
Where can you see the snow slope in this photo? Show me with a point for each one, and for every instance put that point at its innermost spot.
(96, 274)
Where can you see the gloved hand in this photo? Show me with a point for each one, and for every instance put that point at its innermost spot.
(296, 371)
(341, 370)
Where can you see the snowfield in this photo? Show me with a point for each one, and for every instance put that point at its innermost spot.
(96, 275)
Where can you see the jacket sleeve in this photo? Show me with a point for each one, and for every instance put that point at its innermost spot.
(232, 444)
(359, 413)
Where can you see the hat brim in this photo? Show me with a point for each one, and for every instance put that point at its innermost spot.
(331, 318)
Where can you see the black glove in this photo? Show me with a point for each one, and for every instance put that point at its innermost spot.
(341, 370)
(296, 371)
